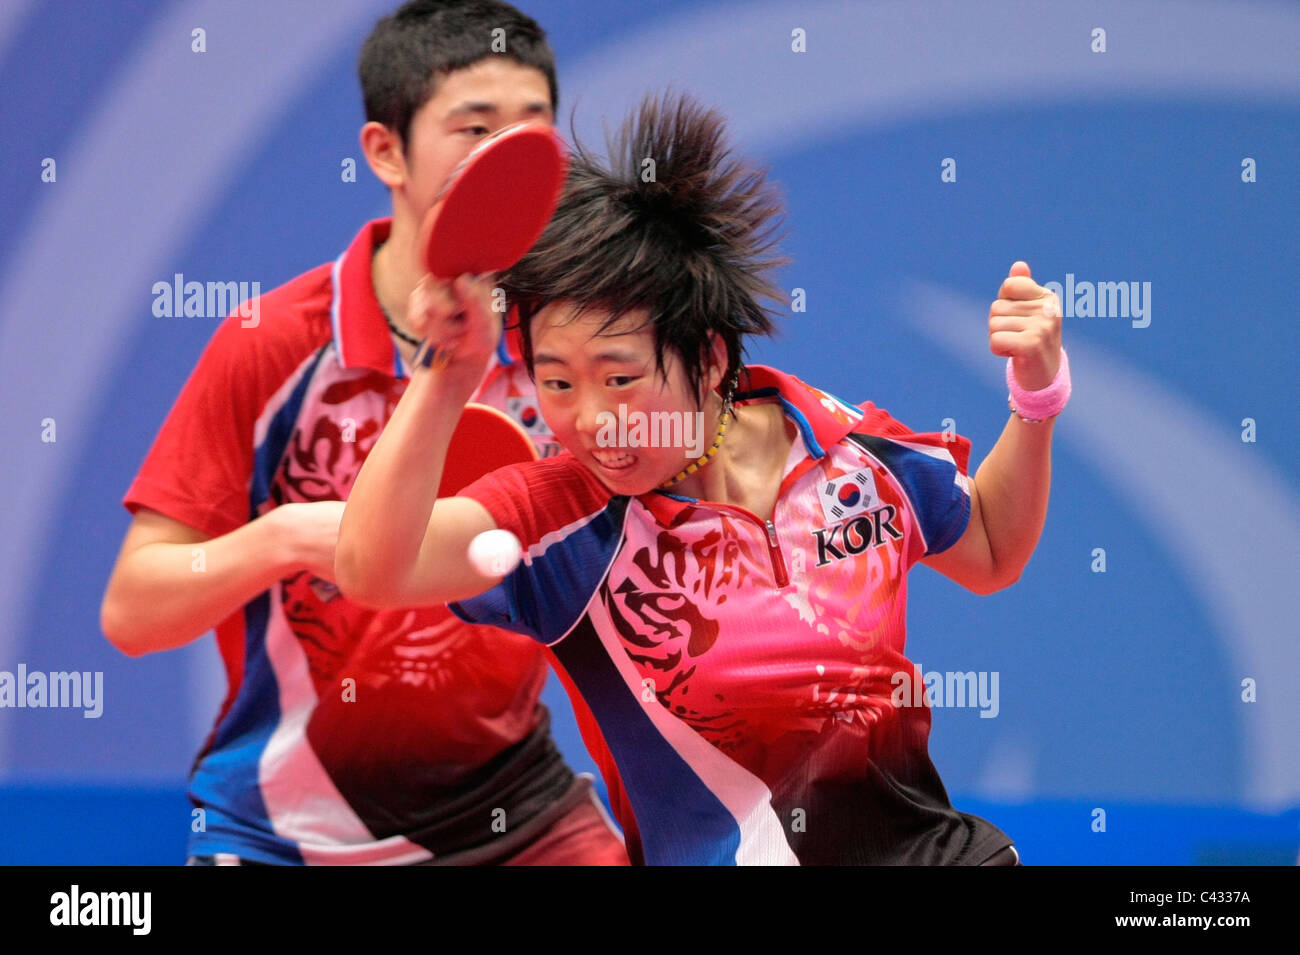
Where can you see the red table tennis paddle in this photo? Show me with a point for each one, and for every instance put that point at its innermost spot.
(495, 204)
(485, 439)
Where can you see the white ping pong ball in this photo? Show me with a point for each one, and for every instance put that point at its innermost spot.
(495, 553)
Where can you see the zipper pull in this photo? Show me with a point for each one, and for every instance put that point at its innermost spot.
(778, 560)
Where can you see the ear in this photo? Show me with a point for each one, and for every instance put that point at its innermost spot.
(382, 148)
(717, 361)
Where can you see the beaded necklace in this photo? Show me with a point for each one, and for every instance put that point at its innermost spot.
(727, 408)
(704, 458)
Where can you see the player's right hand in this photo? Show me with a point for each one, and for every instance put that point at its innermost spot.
(459, 319)
(312, 531)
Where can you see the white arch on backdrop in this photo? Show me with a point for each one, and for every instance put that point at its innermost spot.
(1167, 462)
(883, 69)
(739, 53)
(139, 182)
(1243, 51)
(12, 15)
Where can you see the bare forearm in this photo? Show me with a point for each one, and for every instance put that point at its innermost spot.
(166, 595)
(388, 509)
(1014, 484)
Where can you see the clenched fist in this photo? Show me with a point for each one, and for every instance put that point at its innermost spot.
(458, 318)
(1025, 325)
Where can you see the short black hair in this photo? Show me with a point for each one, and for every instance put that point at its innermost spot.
(673, 225)
(409, 50)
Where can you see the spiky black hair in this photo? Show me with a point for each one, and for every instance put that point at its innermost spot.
(673, 224)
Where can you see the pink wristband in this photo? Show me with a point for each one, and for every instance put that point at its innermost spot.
(1036, 406)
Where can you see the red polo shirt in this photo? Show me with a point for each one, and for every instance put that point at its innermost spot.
(348, 734)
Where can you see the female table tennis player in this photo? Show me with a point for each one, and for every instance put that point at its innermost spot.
(729, 624)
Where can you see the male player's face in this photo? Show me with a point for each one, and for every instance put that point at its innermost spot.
(594, 389)
(468, 105)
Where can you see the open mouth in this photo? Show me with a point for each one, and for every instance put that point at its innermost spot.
(614, 461)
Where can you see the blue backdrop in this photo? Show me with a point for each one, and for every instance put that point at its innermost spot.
(922, 148)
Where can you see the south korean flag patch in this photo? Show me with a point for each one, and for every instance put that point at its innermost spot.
(848, 495)
(528, 415)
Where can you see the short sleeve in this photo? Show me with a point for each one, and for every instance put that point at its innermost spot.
(200, 465)
(508, 496)
(569, 527)
(932, 467)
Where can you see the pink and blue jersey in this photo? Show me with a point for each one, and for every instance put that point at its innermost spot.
(734, 677)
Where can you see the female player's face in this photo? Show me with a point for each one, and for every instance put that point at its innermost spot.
(594, 389)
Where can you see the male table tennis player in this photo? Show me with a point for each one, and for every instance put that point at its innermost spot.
(349, 735)
(730, 626)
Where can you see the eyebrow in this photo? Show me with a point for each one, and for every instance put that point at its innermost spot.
(615, 357)
(477, 108)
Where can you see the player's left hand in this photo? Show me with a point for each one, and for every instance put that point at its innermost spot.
(1025, 325)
